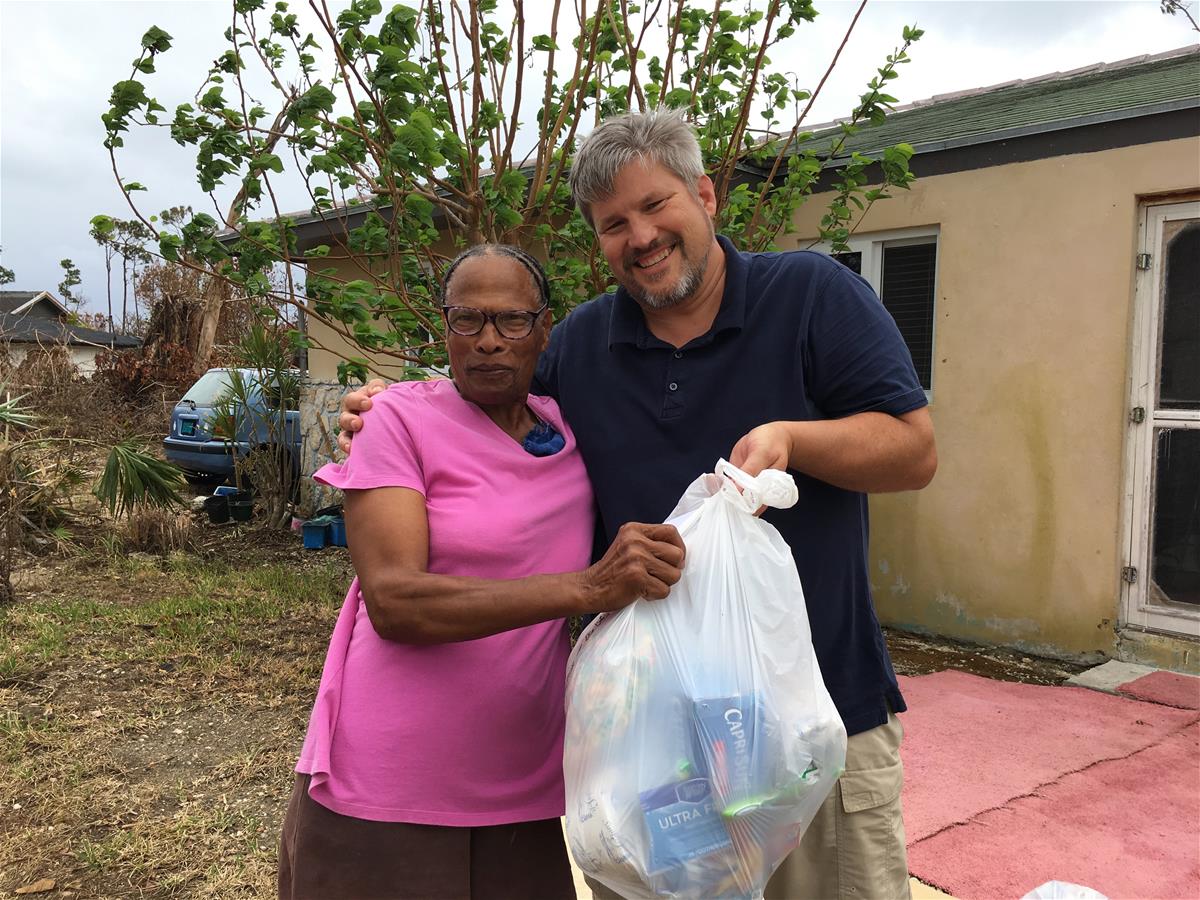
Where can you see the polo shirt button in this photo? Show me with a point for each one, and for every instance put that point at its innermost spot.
(679, 354)
(673, 386)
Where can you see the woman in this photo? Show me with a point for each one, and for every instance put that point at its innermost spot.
(432, 767)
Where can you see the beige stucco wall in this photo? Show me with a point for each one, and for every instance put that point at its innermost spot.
(1017, 540)
(327, 345)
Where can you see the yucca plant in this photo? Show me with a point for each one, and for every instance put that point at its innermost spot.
(12, 413)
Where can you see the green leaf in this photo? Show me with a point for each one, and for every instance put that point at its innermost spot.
(169, 245)
(103, 226)
(212, 99)
(267, 161)
(156, 40)
(132, 478)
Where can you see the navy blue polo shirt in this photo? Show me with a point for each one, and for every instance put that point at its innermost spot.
(798, 337)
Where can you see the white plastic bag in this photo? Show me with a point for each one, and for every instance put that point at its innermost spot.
(1062, 890)
(700, 737)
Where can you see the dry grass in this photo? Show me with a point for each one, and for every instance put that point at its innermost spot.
(74, 406)
(150, 714)
(152, 530)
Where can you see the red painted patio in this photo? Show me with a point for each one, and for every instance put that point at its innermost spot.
(1008, 786)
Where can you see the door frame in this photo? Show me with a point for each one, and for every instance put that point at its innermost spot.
(1136, 609)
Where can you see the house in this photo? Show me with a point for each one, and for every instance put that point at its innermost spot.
(1043, 270)
(31, 319)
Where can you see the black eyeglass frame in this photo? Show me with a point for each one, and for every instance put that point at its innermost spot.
(491, 317)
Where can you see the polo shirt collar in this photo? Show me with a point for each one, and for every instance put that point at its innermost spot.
(627, 324)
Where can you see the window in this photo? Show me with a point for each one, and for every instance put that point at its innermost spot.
(902, 268)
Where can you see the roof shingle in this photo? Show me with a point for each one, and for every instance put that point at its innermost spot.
(1062, 100)
(36, 329)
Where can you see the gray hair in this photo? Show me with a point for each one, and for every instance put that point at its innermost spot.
(537, 274)
(660, 136)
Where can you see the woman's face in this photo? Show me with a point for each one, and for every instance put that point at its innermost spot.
(490, 369)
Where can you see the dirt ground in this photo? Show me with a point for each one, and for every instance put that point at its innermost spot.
(150, 713)
(151, 709)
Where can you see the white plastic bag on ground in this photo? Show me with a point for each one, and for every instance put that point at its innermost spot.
(700, 737)
(1061, 890)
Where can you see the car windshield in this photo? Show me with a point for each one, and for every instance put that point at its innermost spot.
(216, 386)
(209, 389)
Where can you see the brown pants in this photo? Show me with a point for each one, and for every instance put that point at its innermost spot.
(326, 856)
(854, 848)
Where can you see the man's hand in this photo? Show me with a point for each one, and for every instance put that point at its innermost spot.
(355, 402)
(765, 447)
(643, 561)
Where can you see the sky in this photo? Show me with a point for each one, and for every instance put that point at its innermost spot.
(59, 60)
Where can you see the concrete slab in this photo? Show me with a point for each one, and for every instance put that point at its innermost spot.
(1167, 688)
(1109, 676)
(922, 891)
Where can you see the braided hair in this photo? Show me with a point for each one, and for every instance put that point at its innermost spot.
(536, 273)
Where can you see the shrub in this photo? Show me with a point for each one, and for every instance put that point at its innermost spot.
(144, 371)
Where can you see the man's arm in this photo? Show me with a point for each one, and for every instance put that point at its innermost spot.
(388, 533)
(871, 451)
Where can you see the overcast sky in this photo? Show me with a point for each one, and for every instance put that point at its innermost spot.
(59, 60)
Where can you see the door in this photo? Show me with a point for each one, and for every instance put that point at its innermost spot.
(1162, 574)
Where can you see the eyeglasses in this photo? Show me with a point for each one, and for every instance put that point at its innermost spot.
(513, 324)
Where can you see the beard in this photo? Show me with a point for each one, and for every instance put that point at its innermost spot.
(683, 289)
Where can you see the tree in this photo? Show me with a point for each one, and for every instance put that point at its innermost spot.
(444, 120)
(110, 251)
(71, 280)
(6, 275)
(1171, 7)
(128, 239)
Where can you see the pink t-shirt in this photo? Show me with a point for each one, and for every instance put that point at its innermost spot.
(466, 733)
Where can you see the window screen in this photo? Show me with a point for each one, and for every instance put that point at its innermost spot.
(907, 293)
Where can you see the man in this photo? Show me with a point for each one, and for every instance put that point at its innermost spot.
(782, 361)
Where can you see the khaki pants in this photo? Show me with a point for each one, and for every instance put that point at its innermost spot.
(855, 846)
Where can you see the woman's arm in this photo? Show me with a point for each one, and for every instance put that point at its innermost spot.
(388, 532)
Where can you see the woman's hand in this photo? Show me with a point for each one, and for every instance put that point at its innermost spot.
(355, 402)
(389, 545)
(643, 561)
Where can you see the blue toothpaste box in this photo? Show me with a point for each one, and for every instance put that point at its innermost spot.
(730, 732)
(683, 822)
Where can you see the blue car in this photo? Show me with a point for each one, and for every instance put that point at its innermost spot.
(209, 431)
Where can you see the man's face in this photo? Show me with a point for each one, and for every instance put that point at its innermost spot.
(656, 233)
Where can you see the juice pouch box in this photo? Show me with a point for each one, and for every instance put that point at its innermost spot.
(683, 822)
(731, 737)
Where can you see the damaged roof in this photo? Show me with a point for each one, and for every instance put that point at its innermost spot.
(39, 330)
